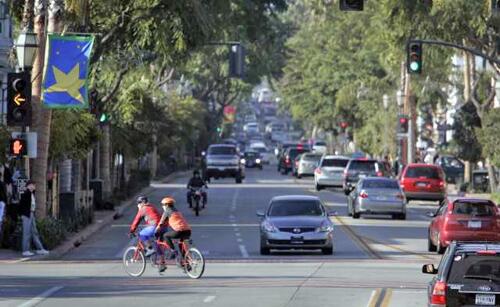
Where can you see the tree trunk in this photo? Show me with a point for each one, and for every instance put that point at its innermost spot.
(41, 117)
(105, 164)
(154, 156)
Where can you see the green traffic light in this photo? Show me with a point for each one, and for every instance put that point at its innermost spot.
(103, 118)
(415, 66)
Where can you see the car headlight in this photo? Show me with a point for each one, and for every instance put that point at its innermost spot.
(257, 161)
(325, 227)
(243, 161)
(269, 227)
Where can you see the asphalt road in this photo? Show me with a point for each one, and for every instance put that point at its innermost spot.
(376, 262)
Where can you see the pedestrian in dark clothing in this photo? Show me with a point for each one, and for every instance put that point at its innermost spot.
(27, 207)
(3, 205)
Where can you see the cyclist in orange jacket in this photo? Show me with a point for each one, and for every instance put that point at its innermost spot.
(180, 228)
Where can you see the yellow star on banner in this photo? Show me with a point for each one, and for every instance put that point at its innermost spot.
(69, 82)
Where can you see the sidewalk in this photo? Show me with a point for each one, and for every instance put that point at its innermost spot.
(101, 219)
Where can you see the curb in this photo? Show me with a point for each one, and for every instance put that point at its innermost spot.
(78, 238)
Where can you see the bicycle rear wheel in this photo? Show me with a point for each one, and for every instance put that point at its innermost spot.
(134, 261)
(194, 263)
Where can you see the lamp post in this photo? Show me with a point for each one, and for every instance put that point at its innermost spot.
(26, 47)
(385, 102)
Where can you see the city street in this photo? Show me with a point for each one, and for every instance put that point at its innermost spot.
(376, 262)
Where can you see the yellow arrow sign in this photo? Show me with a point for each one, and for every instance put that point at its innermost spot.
(19, 100)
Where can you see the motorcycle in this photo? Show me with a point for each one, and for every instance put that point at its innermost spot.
(196, 198)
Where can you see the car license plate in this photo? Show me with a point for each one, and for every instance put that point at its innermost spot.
(474, 224)
(297, 242)
(381, 198)
(421, 184)
(221, 169)
(362, 175)
(485, 299)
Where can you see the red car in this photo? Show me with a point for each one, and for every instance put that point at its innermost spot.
(423, 182)
(463, 219)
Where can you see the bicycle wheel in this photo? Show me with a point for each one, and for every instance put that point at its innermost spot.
(194, 263)
(134, 262)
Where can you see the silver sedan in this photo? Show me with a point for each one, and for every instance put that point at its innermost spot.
(377, 195)
(307, 164)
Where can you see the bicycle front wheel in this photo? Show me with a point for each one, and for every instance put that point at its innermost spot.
(194, 263)
(134, 261)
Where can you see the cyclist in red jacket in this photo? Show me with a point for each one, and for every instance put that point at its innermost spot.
(147, 212)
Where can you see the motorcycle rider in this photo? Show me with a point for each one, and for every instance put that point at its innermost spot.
(196, 182)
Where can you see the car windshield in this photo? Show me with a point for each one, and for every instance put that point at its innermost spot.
(474, 268)
(296, 208)
(452, 162)
(363, 166)
(426, 172)
(311, 158)
(473, 208)
(380, 184)
(222, 150)
(334, 162)
(251, 154)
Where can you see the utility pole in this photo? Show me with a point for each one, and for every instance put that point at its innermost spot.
(409, 109)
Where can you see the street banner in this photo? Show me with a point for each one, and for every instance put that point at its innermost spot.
(65, 75)
(229, 114)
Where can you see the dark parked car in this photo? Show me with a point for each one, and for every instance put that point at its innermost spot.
(296, 222)
(288, 157)
(361, 168)
(452, 167)
(468, 275)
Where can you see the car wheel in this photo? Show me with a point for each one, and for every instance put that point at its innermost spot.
(299, 176)
(238, 180)
(355, 215)
(430, 246)
(327, 250)
(402, 216)
(265, 250)
(440, 249)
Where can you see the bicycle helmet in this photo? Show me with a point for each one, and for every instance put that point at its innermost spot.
(168, 200)
(142, 199)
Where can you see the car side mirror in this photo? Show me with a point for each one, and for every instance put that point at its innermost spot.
(429, 269)
(260, 213)
(431, 214)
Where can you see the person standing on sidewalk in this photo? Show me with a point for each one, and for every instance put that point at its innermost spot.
(27, 206)
(3, 206)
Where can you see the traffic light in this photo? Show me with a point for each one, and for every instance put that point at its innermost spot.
(351, 5)
(414, 61)
(18, 147)
(403, 124)
(236, 61)
(18, 99)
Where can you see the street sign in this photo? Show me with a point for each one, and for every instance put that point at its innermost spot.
(31, 139)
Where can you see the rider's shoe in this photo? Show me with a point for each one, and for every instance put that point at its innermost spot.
(162, 267)
(149, 252)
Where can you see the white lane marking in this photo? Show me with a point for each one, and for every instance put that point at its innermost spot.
(236, 229)
(232, 217)
(239, 240)
(41, 297)
(238, 234)
(234, 225)
(244, 186)
(243, 251)
(209, 299)
(372, 297)
(130, 243)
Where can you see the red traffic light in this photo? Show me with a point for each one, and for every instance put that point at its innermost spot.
(18, 147)
(344, 125)
(403, 120)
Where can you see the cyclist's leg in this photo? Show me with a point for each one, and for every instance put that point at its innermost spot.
(204, 195)
(146, 234)
(188, 197)
(183, 235)
(168, 236)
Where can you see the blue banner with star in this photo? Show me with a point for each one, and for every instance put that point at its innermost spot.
(66, 71)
